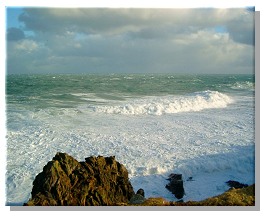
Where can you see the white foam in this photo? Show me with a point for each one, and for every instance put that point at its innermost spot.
(213, 146)
(169, 104)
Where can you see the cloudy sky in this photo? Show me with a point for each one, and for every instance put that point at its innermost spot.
(109, 40)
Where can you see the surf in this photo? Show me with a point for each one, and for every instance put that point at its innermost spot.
(156, 105)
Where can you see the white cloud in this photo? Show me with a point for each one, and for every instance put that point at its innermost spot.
(135, 40)
(27, 46)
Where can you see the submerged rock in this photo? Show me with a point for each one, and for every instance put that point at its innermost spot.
(176, 185)
(66, 182)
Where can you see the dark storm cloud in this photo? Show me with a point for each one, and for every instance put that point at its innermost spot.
(244, 36)
(15, 34)
(242, 28)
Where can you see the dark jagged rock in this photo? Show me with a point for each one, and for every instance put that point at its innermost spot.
(235, 184)
(176, 185)
(190, 179)
(138, 198)
(141, 192)
(97, 181)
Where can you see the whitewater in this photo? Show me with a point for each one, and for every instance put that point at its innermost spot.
(199, 126)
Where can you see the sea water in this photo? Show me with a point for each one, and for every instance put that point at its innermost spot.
(201, 126)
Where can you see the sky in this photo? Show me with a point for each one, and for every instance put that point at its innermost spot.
(129, 40)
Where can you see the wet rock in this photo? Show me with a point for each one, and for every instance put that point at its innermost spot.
(66, 182)
(141, 192)
(176, 185)
(190, 179)
(235, 184)
(137, 199)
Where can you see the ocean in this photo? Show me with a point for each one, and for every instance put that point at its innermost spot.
(201, 126)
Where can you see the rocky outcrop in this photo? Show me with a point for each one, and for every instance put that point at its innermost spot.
(98, 181)
(176, 185)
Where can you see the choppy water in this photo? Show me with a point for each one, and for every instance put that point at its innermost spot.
(199, 125)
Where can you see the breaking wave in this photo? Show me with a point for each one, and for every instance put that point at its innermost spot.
(194, 102)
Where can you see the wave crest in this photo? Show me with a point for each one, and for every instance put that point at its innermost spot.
(243, 85)
(169, 104)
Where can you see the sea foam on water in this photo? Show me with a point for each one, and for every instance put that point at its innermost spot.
(207, 135)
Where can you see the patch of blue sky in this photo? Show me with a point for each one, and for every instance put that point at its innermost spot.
(220, 29)
(80, 36)
(251, 8)
(12, 15)
(29, 34)
(12, 20)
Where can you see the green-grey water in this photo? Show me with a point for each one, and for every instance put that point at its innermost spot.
(43, 90)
